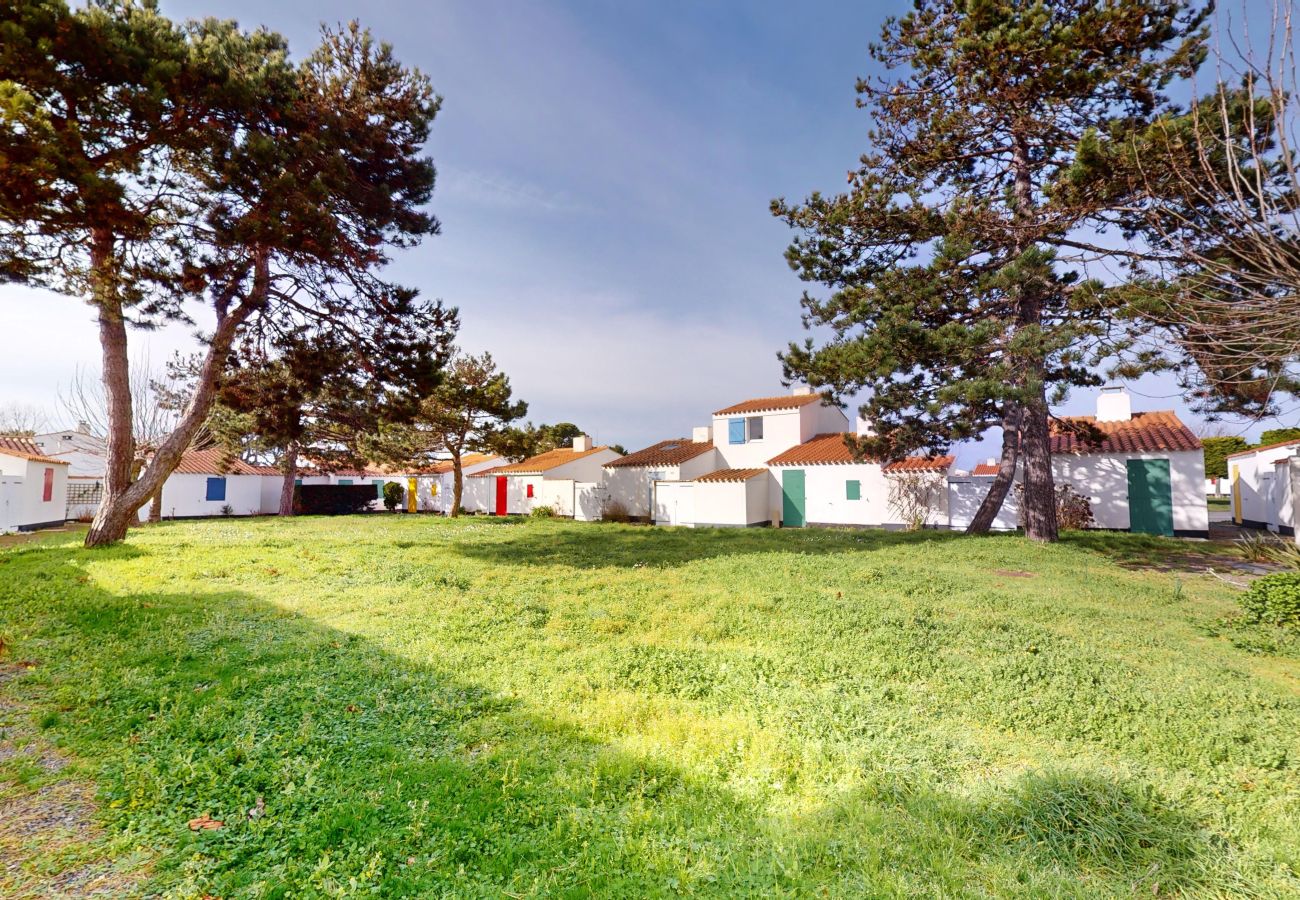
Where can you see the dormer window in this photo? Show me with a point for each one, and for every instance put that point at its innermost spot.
(756, 428)
(742, 431)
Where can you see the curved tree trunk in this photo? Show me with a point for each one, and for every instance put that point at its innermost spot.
(1039, 507)
(290, 467)
(997, 493)
(122, 503)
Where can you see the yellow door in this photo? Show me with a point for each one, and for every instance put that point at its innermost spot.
(411, 498)
(1236, 495)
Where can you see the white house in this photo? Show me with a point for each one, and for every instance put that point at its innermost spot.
(630, 481)
(80, 438)
(1251, 475)
(208, 483)
(435, 485)
(1142, 472)
(822, 484)
(33, 487)
(548, 479)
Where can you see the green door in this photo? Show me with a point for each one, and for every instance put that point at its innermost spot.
(1150, 499)
(792, 499)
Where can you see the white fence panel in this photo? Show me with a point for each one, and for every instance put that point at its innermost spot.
(11, 503)
(556, 493)
(674, 503)
(590, 498)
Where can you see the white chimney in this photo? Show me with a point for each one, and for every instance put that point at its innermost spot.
(702, 434)
(862, 428)
(581, 444)
(800, 390)
(1113, 404)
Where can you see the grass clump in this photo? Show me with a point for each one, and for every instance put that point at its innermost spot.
(417, 706)
(1274, 600)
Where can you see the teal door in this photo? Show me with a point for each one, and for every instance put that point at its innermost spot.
(1150, 498)
(792, 498)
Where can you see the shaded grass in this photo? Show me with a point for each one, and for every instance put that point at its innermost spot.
(487, 708)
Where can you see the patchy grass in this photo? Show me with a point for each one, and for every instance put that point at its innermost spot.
(528, 708)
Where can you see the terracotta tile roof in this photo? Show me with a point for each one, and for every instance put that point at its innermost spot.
(212, 462)
(266, 470)
(770, 404)
(444, 466)
(544, 462)
(920, 464)
(1273, 446)
(824, 449)
(488, 473)
(665, 453)
(985, 469)
(731, 475)
(26, 449)
(1146, 431)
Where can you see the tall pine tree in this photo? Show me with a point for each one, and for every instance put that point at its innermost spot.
(953, 259)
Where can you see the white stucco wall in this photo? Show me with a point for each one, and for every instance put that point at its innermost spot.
(826, 493)
(1251, 468)
(184, 495)
(632, 486)
(31, 508)
(11, 503)
(675, 503)
(732, 503)
(967, 492)
(1103, 479)
(587, 468)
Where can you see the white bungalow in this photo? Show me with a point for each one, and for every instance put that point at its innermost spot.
(209, 483)
(33, 487)
(1253, 475)
(630, 481)
(548, 479)
(822, 484)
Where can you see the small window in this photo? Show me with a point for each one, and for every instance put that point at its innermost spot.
(216, 489)
(530, 490)
(345, 481)
(756, 428)
(297, 482)
(48, 493)
(379, 486)
(735, 431)
(853, 490)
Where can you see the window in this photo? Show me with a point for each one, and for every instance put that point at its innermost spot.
(853, 490)
(345, 481)
(735, 431)
(216, 489)
(756, 428)
(48, 493)
(379, 486)
(530, 490)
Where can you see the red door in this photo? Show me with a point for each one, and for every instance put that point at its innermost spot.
(501, 495)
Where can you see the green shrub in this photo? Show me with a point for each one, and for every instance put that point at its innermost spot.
(394, 495)
(1274, 599)
(543, 512)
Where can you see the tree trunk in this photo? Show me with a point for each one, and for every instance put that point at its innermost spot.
(1039, 501)
(155, 507)
(997, 493)
(457, 484)
(114, 516)
(290, 466)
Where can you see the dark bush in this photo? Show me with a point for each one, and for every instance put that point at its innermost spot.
(1274, 599)
(394, 495)
(333, 499)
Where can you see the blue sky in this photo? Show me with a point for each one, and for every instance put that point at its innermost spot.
(605, 170)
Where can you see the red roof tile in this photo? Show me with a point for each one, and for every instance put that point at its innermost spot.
(212, 462)
(770, 404)
(731, 475)
(985, 469)
(1144, 432)
(665, 453)
(920, 464)
(824, 449)
(544, 462)
(25, 449)
(1272, 446)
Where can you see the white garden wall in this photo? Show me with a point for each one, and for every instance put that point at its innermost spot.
(185, 496)
(967, 492)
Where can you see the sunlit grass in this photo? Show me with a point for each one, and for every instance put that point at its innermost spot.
(540, 707)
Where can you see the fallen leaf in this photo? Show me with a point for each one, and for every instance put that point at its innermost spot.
(206, 823)
(353, 708)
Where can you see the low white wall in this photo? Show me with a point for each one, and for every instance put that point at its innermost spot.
(967, 492)
(270, 493)
(1104, 481)
(732, 503)
(557, 493)
(11, 502)
(185, 495)
(590, 498)
(478, 496)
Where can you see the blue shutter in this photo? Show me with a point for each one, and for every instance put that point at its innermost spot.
(853, 490)
(735, 431)
(345, 481)
(216, 489)
(379, 486)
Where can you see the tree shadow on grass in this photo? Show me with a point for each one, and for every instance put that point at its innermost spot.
(380, 774)
(601, 545)
(1162, 554)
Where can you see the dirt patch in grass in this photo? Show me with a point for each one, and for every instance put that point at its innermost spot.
(50, 843)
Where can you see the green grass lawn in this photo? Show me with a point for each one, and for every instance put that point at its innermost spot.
(1218, 502)
(542, 708)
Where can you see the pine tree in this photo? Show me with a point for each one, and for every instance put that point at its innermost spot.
(956, 300)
